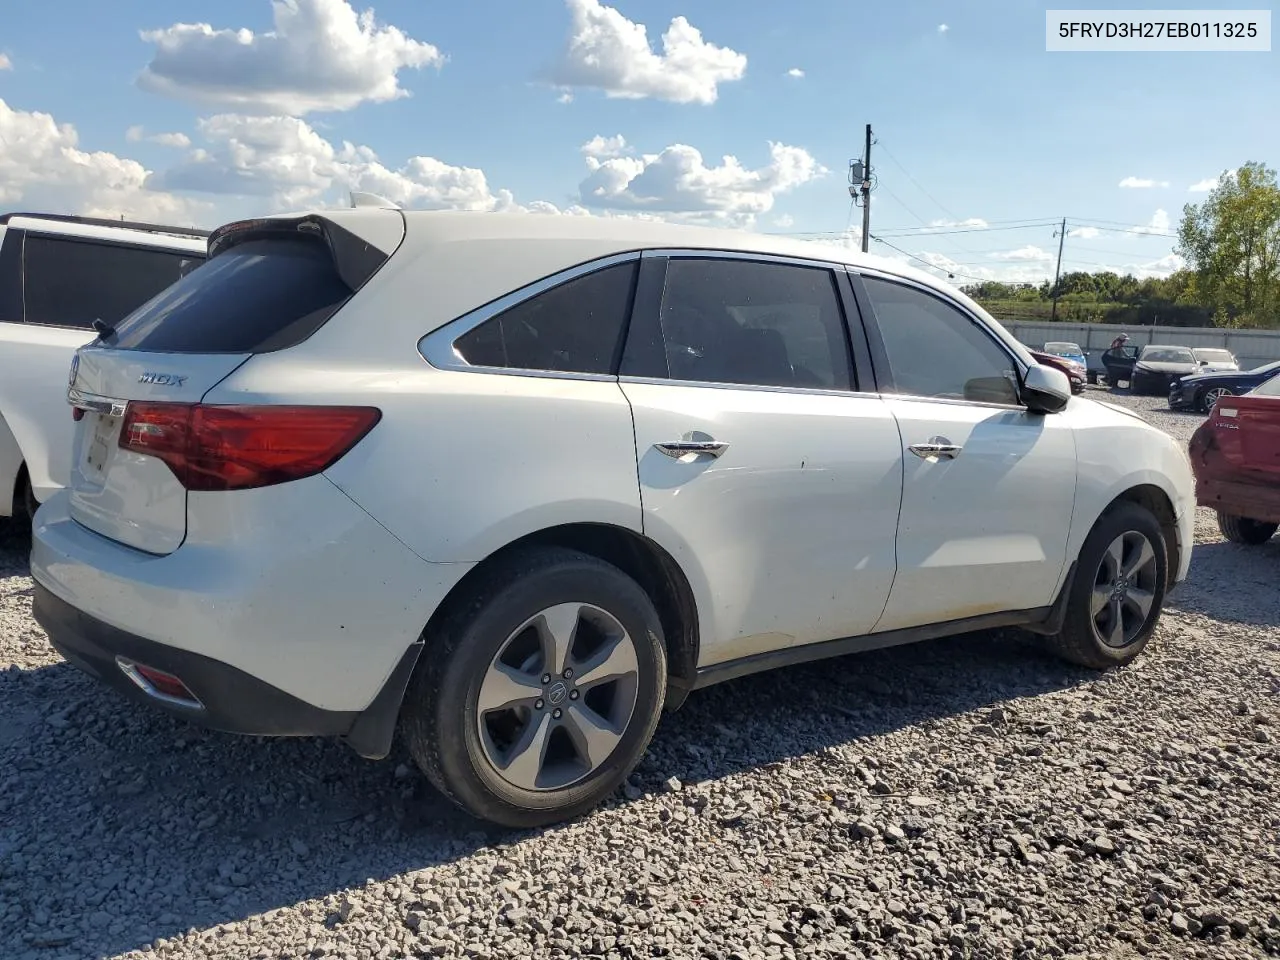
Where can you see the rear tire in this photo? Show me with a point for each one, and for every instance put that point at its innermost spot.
(508, 714)
(1118, 590)
(1244, 530)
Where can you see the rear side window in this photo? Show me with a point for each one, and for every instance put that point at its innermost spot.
(754, 324)
(576, 327)
(71, 283)
(258, 296)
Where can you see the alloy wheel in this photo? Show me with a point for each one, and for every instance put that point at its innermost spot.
(557, 697)
(1124, 589)
(1211, 397)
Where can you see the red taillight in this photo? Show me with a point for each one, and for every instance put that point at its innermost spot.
(234, 448)
(165, 683)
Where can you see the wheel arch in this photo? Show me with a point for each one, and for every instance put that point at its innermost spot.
(640, 558)
(1154, 499)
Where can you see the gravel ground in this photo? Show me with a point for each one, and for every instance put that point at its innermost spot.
(965, 798)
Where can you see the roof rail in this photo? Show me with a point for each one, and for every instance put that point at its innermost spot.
(104, 222)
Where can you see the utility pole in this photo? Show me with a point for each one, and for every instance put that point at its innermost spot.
(1062, 235)
(866, 192)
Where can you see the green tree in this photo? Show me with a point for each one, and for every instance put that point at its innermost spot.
(1232, 244)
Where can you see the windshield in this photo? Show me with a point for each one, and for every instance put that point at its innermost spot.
(1063, 349)
(1167, 355)
(1213, 355)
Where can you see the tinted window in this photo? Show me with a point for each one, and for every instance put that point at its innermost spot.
(260, 295)
(71, 283)
(1168, 355)
(575, 327)
(10, 276)
(762, 324)
(934, 350)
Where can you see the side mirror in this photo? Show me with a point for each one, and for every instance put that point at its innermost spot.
(1045, 389)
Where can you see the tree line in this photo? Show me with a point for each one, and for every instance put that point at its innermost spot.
(1231, 245)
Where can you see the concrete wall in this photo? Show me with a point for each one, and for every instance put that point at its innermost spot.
(1251, 347)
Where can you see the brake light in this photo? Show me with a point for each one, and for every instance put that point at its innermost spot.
(239, 447)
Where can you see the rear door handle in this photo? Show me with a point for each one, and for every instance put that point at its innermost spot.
(679, 448)
(936, 448)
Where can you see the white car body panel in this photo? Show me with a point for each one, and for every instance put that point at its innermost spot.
(35, 361)
(462, 464)
(233, 591)
(986, 532)
(790, 531)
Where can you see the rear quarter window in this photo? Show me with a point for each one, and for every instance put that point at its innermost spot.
(258, 296)
(71, 282)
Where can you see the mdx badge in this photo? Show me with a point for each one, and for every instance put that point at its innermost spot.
(162, 379)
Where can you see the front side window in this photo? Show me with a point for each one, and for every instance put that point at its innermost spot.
(935, 350)
(753, 323)
(575, 327)
(71, 283)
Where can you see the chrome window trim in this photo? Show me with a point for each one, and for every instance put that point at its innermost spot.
(690, 253)
(437, 347)
(760, 388)
(1019, 366)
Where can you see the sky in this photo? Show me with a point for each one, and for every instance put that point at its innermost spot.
(739, 114)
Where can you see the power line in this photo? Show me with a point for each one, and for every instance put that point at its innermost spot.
(931, 266)
(908, 175)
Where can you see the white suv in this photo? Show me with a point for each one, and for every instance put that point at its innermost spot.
(58, 274)
(512, 483)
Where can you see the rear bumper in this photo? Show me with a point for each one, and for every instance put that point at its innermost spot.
(1256, 501)
(229, 699)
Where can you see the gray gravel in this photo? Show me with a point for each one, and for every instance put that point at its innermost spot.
(965, 798)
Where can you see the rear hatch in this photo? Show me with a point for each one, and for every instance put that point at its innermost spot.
(143, 439)
(1246, 431)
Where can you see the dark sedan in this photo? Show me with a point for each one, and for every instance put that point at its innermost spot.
(1158, 366)
(1201, 391)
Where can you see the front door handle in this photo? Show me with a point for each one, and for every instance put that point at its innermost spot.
(679, 448)
(936, 448)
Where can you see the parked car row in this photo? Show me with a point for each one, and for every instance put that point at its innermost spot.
(511, 486)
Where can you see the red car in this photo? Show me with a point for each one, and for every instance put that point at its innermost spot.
(1075, 373)
(1235, 456)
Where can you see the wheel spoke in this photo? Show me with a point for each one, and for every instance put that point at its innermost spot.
(1113, 560)
(594, 736)
(1115, 636)
(1141, 601)
(1099, 599)
(505, 687)
(556, 628)
(524, 761)
(613, 661)
(1144, 556)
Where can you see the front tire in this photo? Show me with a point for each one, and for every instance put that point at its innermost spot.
(1209, 399)
(540, 691)
(1244, 530)
(1118, 590)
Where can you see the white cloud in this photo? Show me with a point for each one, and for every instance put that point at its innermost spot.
(136, 134)
(5, 62)
(1029, 252)
(972, 223)
(284, 160)
(1209, 183)
(784, 221)
(1084, 233)
(43, 167)
(608, 52)
(795, 72)
(321, 55)
(678, 181)
(1142, 183)
(1159, 224)
(943, 28)
(603, 148)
